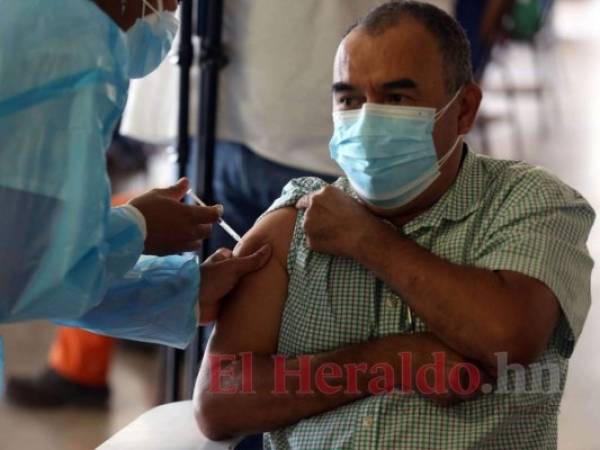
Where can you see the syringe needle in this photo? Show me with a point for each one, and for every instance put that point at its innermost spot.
(221, 222)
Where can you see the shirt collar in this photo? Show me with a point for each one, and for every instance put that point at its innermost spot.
(460, 200)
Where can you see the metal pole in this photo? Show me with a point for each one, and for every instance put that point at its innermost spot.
(209, 26)
(186, 57)
(173, 356)
(212, 59)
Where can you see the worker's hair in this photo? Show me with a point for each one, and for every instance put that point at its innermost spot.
(451, 38)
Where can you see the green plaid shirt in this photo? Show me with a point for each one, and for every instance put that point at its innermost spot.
(499, 215)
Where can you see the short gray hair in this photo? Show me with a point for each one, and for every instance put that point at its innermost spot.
(450, 36)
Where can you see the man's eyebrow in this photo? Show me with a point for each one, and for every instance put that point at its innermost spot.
(402, 83)
(340, 86)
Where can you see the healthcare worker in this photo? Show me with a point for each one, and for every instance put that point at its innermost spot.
(65, 254)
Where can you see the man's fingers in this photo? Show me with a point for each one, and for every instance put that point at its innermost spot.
(304, 202)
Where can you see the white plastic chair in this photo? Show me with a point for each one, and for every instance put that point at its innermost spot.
(167, 427)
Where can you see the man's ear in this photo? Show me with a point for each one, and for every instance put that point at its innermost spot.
(469, 105)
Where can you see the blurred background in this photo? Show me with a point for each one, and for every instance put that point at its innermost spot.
(541, 105)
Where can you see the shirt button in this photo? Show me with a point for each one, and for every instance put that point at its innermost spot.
(391, 302)
(367, 422)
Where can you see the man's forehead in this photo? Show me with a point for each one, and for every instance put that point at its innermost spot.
(406, 50)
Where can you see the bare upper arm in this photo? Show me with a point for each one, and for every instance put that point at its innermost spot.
(540, 310)
(251, 315)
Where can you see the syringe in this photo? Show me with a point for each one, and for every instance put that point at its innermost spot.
(220, 222)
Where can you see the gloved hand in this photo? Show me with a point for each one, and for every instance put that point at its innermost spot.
(172, 226)
(221, 272)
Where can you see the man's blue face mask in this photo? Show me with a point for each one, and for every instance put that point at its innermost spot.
(387, 152)
(150, 38)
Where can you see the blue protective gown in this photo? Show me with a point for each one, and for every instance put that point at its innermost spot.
(65, 254)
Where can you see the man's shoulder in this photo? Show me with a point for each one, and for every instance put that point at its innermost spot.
(517, 183)
(297, 188)
(506, 173)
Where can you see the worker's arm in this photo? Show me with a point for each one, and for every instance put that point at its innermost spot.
(157, 301)
(64, 253)
(250, 323)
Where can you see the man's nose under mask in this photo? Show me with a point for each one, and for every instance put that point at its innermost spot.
(387, 152)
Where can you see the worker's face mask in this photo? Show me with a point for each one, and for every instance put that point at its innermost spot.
(387, 152)
(150, 38)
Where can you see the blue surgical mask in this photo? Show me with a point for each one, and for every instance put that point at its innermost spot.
(150, 38)
(387, 152)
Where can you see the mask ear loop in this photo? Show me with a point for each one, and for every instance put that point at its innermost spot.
(446, 157)
(438, 115)
(145, 4)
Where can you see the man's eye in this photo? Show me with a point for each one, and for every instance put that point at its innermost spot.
(395, 98)
(346, 101)
(349, 102)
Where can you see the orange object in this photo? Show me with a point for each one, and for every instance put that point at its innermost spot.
(79, 355)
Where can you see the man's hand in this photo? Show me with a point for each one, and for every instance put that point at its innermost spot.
(334, 222)
(174, 227)
(221, 272)
(457, 378)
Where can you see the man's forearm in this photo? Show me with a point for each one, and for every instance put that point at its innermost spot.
(470, 309)
(362, 370)
(264, 410)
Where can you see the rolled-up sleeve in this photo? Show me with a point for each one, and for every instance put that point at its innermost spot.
(542, 232)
